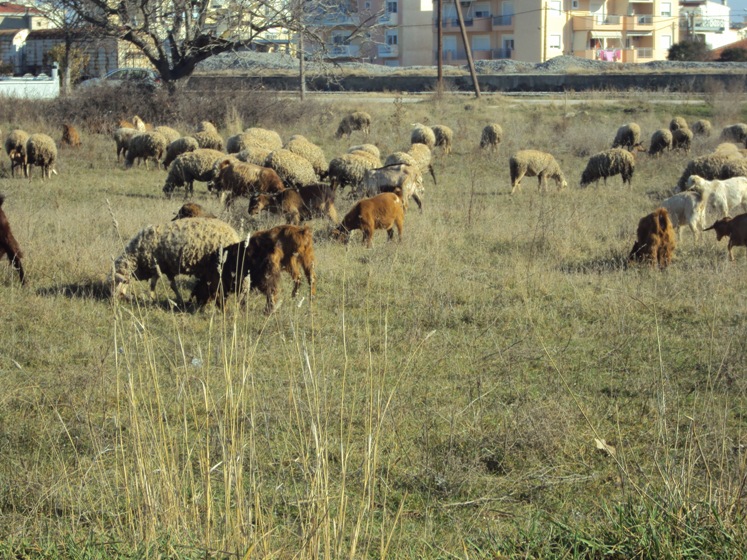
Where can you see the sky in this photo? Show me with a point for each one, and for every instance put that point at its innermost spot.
(738, 9)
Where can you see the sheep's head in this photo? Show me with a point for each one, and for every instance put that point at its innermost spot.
(257, 203)
(340, 233)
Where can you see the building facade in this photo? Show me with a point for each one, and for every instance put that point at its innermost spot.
(708, 22)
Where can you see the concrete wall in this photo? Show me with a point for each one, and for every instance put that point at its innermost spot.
(682, 82)
(39, 87)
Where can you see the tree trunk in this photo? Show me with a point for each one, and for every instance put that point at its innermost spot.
(301, 66)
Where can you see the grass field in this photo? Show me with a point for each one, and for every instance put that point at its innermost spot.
(442, 397)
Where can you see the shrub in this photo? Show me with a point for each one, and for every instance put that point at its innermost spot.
(688, 50)
(733, 54)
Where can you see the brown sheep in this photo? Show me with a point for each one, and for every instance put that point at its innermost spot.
(192, 210)
(304, 203)
(383, 211)
(297, 246)
(257, 259)
(654, 239)
(735, 228)
(70, 136)
(235, 178)
(8, 244)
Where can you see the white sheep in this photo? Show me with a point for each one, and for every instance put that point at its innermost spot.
(146, 145)
(444, 137)
(178, 147)
(176, 247)
(405, 177)
(609, 163)
(687, 209)
(534, 163)
(303, 147)
(199, 165)
(263, 138)
(491, 136)
(255, 155)
(122, 137)
(628, 136)
(422, 134)
(357, 120)
(169, 133)
(293, 169)
(723, 195)
(42, 152)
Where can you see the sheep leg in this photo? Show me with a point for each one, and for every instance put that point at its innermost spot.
(174, 287)
(308, 267)
(332, 213)
(731, 254)
(367, 230)
(417, 200)
(399, 223)
(517, 183)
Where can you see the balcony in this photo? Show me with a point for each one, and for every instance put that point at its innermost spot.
(389, 18)
(334, 20)
(473, 25)
(459, 56)
(503, 21)
(709, 25)
(499, 54)
(596, 22)
(388, 51)
(343, 51)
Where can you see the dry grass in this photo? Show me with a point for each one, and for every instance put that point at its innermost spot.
(440, 397)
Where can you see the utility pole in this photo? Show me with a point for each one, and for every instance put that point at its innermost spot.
(440, 47)
(544, 33)
(467, 48)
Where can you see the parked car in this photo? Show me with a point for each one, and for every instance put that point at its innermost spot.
(133, 76)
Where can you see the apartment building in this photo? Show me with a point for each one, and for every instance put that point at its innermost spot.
(538, 30)
(707, 21)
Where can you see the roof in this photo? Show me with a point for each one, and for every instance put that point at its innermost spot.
(8, 8)
(716, 53)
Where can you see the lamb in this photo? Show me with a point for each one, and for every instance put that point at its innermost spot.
(654, 239)
(677, 123)
(702, 127)
(70, 136)
(300, 146)
(178, 147)
(661, 141)
(176, 247)
(628, 136)
(297, 246)
(713, 166)
(42, 152)
(444, 137)
(357, 120)
(349, 169)
(235, 178)
(293, 169)
(263, 138)
(422, 134)
(534, 163)
(682, 139)
(256, 260)
(724, 195)
(735, 133)
(607, 164)
(735, 228)
(187, 168)
(169, 133)
(15, 147)
(8, 245)
(491, 136)
(209, 140)
(383, 211)
(257, 156)
(406, 177)
(192, 210)
(687, 209)
(146, 145)
(297, 205)
(122, 137)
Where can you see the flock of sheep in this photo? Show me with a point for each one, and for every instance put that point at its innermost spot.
(295, 180)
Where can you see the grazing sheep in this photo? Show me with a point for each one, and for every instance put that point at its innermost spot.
(661, 141)
(349, 169)
(383, 211)
(297, 205)
(70, 136)
(677, 123)
(146, 145)
(176, 247)
(491, 136)
(257, 156)
(682, 139)
(371, 149)
(444, 137)
(235, 178)
(256, 260)
(293, 169)
(608, 164)
(735, 133)
(263, 138)
(687, 209)
(654, 239)
(8, 245)
(42, 152)
(727, 149)
(209, 140)
(628, 136)
(533, 163)
(407, 177)
(207, 126)
(735, 228)
(422, 134)
(15, 147)
(122, 137)
(713, 166)
(368, 155)
(178, 147)
(702, 127)
(297, 246)
(199, 165)
(167, 132)
(357, 120)
(138, 123)
(300, 146)
(723, 195)
(192, 210)
(420, 154)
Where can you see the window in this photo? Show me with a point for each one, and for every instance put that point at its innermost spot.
(555, 6)
(481, 42)
(482, 10)
(391, 7)
(553, 41)
(666, 41)
(508, 43)
(666, 9)
(574, 4)
(392, 37)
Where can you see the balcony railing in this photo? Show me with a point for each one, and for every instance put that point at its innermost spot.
(331, 20)
(387, 51)
(343, 50)
(503, 21)
(709, 24)
(387, 18)
(451, 55)
(502, 53)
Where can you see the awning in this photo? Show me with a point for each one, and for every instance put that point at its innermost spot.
(606, 35)
(640, 33)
